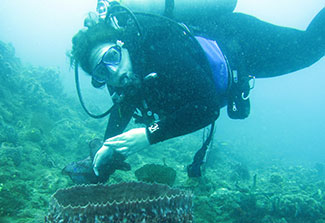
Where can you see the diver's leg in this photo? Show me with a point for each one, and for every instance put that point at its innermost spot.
(317, 26)
(266, 50)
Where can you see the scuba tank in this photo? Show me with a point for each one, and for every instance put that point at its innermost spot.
(181, 10)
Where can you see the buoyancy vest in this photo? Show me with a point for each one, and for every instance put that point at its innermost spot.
(218, 64)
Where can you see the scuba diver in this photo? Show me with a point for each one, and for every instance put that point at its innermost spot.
(169, 69)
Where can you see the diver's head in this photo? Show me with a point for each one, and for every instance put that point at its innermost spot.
(98, 51)
(110, 64)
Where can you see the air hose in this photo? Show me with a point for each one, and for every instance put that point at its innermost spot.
(109, 18)
(76, 72)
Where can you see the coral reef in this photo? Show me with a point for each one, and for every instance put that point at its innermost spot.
(34, 138)
(124, 202)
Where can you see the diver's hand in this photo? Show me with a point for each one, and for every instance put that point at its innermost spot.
(126, 143)
(129, 142)
(102, 157)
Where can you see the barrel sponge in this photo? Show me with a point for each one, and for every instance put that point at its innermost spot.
(123, 202)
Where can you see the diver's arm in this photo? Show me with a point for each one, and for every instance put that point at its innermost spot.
(189, 118)
(119, 119)
(117, 122)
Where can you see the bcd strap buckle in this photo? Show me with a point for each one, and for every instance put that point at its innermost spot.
(238, 100)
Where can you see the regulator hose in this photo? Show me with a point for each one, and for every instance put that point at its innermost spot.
(76, 72)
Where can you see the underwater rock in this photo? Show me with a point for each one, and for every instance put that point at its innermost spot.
(297, 206)
(7, 116)
(269, 219)
(240, 172)
(7, 68)
(2, 137)
(10, 151)
(7, 50)
(11, 134)
(124, 202)
(8, 134)
(34, 135)
(8, 61)
(276, 178)
(154, 173)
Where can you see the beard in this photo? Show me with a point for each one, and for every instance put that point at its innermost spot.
(131, 85)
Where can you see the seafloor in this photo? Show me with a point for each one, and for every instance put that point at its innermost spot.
(42, 130)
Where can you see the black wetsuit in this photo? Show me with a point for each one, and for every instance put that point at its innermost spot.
(265, 50)
(183, 95)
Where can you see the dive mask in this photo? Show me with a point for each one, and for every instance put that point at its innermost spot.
(108, 63)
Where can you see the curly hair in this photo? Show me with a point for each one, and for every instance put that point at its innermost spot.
(86, 39)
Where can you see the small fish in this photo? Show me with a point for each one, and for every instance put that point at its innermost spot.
(81, 172)
(94, 146)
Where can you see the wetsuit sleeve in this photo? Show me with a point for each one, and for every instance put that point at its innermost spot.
(189, 118)
(118, 120)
